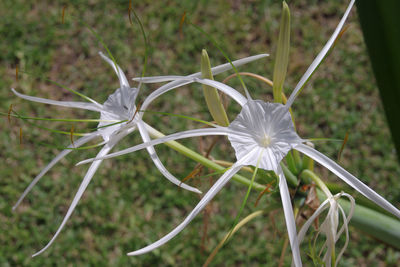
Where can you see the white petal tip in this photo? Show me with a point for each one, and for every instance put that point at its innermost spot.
(83, 162)
(14, 208)
(133, 253)
(195, 190)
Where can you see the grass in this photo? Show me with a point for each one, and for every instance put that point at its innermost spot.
(128, 204)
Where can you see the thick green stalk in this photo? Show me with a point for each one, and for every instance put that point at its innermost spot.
(317, 181)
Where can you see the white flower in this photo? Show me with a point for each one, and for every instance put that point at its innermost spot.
(262, 132)
(119, 107)
(329, 226)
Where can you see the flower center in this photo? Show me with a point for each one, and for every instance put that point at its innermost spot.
(265, 140)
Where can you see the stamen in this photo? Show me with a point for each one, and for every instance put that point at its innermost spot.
(20, 137)
(181, 24)
(136, 111)
(197, 169)
(71, 136)
(129, 11)
(63, 14)
(265, 140)
(9, 113)
(266, 190)
(343, 144)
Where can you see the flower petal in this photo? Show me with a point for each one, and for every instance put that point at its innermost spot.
(153, 155)
(215, 70)
(289, 217)
(61, 155)
(180, 135)
(85, 182)
(121, 76)
(310, 220)
(183, 80)
(199, 207)
(320, 56)
(348, 178)
(70, 104)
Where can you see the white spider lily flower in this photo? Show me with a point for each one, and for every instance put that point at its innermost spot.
(120, 106)
(260, 130)
(329, 227)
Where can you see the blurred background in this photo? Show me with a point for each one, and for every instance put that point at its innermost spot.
(128, 203)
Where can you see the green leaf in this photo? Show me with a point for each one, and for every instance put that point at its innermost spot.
(380, 22)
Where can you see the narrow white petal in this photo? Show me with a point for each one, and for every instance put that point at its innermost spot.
(153, 155)
(350, 215)
(345, 225)
(90, 173)
(180, 135)
(215, 70)
(121, 76)
(348, 178)
(183, 80)
(289, 217)
(70, 104)
(61, 155)
(157, 79)
(199, 207)
(320, 56)
(310, 220)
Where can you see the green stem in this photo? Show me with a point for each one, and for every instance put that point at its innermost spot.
(311, 175)
(290, 177)
(291, 163)
(204, 161)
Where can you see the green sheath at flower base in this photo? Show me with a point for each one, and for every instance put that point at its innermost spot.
(211, 95)
(282, 54)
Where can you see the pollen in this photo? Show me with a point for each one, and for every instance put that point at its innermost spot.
(265, 140)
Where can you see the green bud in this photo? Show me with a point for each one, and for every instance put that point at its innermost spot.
(282, 54)
(211, 95)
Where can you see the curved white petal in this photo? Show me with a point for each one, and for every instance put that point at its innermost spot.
(351, 212)
(289, 217)
(157, 79)
(180, 135)
(160, 166)
(238, 97)
(324, 205)
(121, 76)
(215, 70)
(70, 104)
(320, 56)
(345, 226)
(90, 173)
(85, 182)
(199, 207)
(61, 155)
(348, 178)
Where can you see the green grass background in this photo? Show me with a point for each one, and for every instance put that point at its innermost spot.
(129, 204)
